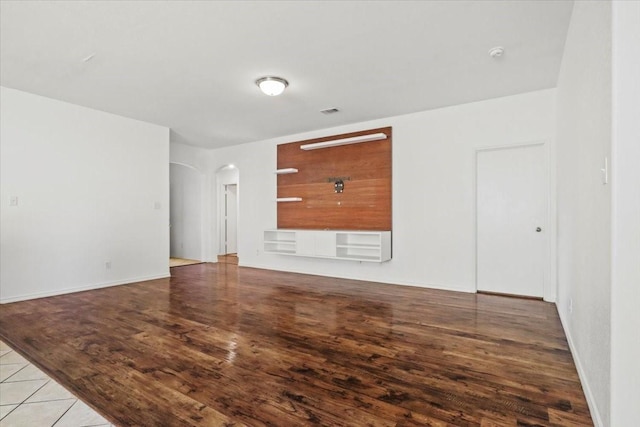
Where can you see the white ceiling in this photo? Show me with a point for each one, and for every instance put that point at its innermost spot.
(191, 65)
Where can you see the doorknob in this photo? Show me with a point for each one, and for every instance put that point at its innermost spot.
(538, 229)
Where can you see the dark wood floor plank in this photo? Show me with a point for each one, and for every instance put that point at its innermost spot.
(219, 345)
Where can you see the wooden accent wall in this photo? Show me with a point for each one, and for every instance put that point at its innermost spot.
(365, 169)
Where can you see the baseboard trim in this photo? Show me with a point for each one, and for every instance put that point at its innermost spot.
(595, 414)
(516, 296)
(363, 279)
(36, 295)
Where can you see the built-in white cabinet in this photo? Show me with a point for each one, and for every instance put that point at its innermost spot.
(280, 242)
(372, 246)
(364, 246)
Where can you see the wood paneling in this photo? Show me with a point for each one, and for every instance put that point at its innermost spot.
(365, 203)
(219, 345)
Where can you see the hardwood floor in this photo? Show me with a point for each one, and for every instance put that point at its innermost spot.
(219, 345)
(179, 262)
(228, 259)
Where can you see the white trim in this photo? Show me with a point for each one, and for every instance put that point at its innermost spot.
(591, 401)
(82, 288)
(504, 146)
(187, 165)
(353, 277)
(228, 166)
(549, 292)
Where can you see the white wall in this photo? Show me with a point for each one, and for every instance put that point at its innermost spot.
(88, 184)
(185, 212)
(183, 154)
(433, 190)
(584, 203)
(198, 158)
(625, 180)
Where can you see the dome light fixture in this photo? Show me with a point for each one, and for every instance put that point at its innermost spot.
(271, 85)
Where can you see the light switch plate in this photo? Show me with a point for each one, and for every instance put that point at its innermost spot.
(13, 201)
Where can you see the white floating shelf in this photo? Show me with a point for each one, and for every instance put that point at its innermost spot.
(289, 199)
(286, 171)
(344, 141)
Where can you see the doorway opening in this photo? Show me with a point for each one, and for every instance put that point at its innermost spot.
(185, 215)
(228, 196)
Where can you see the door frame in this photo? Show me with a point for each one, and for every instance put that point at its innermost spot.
(549, 273)
(220, 184)
(224, 219)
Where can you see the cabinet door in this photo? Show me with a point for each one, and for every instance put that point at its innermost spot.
(325, 243)
(305, 243)
(316, 243)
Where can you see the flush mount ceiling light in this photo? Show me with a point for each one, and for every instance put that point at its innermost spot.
(272, 86)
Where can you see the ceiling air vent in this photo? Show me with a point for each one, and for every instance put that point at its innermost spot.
(329, 111)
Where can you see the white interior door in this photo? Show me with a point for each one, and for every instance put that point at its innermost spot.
(511, 220)
(231, 218)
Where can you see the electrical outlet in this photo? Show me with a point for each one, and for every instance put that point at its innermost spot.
(257, 252)
(570, 305)
(107, 265)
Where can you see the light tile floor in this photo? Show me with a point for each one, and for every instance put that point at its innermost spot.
(29, 398)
